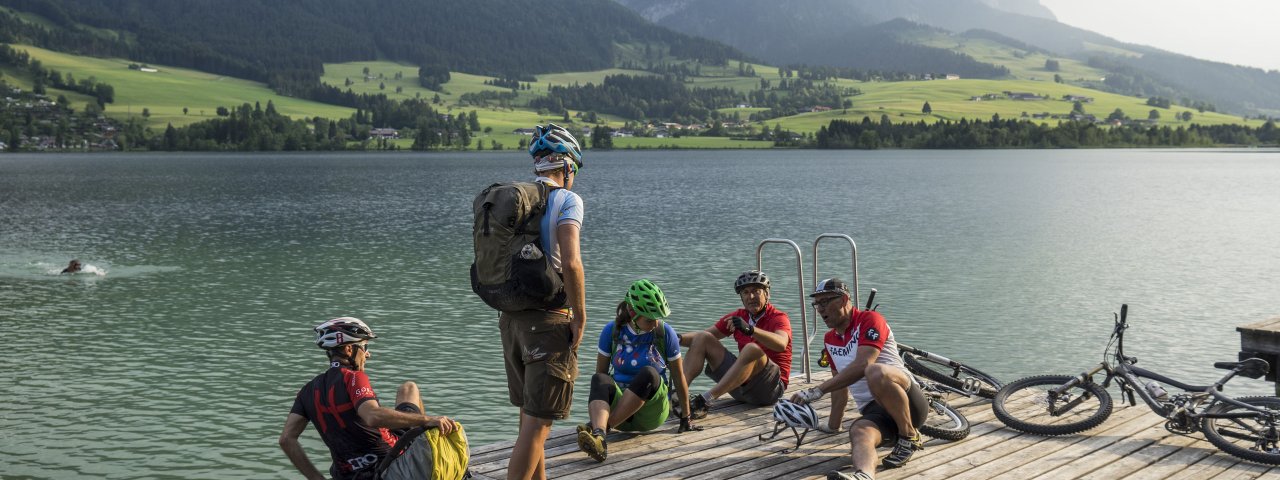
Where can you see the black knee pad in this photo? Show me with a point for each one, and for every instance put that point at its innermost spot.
(645, 383)
(602, 388)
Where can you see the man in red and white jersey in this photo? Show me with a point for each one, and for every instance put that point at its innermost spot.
(341, 404)
(864, 357)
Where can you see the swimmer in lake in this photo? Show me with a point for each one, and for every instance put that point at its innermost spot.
(73, 267)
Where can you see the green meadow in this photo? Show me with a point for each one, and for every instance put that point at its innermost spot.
(950, 100)
(167, 91)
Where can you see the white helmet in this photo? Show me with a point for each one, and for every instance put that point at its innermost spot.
(795, 415)
(341, 331)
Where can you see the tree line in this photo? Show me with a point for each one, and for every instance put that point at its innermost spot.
(1001, 133)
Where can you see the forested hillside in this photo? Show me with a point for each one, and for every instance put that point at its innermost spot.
(286, 42)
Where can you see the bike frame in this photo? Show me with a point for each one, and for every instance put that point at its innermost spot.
(1129, 377)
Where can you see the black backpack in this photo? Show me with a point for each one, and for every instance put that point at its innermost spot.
(511, 272)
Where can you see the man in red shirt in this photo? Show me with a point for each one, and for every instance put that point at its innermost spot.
(342, 406)
(760, 371)
(864, 358)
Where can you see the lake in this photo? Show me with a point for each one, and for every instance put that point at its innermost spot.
(181, 354)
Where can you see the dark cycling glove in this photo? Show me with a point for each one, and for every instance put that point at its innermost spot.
(687, 426)
(744, 327)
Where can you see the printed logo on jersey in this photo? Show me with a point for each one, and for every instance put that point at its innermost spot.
(364, 392)
(872, 334)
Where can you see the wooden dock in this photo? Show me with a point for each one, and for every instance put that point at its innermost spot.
(1132, 444)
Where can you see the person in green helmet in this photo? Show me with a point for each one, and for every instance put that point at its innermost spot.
(643, 353)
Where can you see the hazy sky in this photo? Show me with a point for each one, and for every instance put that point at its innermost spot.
(1242, 32)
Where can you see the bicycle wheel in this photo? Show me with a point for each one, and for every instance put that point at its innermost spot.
(966, 378)
(944, 422)
(1029, 406)
(1254, 439)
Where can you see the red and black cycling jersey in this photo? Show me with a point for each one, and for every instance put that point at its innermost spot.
(330, 402)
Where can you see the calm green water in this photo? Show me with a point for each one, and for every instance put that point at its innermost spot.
(181, 356)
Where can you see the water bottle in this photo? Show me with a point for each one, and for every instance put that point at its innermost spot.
(1156, 391)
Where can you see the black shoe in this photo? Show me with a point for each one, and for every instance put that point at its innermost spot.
(856, 475)
(903, 450)
(698, 407)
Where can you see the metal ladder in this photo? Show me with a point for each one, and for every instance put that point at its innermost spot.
(809, 332)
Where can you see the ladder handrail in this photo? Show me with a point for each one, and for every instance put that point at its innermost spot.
(852, 244)
(804, 324)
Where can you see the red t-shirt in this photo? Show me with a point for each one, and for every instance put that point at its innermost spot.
(330, 401)
(772, 320)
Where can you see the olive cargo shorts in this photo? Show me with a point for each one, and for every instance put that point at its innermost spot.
(541, 363)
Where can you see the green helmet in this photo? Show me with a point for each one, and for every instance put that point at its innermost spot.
(647, 300)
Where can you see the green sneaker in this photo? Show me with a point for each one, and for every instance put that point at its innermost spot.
(592, 442)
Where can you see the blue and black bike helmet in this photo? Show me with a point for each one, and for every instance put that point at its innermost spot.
(553, 139)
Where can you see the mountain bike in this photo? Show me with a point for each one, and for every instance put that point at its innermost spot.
(1246, 427)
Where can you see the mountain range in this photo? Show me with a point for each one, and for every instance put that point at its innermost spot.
(836, 32)
(286, 43)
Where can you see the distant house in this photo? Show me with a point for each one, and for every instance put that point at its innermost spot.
(744, 105)
(1022, 96)
(819, 108)
(148, 70)
(523, 131)
(384, 133)
(1077, 98)
(952, 76)
(1040, 115)
(1084, 117)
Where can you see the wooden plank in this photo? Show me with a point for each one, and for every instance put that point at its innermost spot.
(1158, 451)
(1244, 470)
(1206, 468)
(1191, 454)
(1271, 324)
(1025, 449)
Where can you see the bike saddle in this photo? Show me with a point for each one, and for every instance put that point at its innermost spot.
(1252, 367)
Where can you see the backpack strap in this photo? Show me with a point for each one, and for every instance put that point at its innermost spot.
(401, 446)
(544, 201)
(659, 340)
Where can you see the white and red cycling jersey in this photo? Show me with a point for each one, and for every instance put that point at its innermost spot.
(866, 328)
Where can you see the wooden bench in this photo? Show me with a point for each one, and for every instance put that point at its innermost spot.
(1262, 340)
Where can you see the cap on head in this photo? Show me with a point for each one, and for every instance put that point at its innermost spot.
(341, 331)
(830, 285)
(647, 299)
(751, 277)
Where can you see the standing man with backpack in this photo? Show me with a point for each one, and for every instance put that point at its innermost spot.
(529, 267)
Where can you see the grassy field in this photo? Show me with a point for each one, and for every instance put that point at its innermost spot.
(949, 99)
(166, 92)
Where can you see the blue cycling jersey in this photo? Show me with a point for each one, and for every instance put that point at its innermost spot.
(634, 351)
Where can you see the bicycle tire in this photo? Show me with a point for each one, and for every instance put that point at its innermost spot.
(945, 422)
(1244, 441)
(947, 375)
(1024, 405)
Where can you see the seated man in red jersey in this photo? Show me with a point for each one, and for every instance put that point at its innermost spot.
(864, 357)
(341, 404)
(759, 373)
